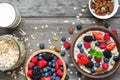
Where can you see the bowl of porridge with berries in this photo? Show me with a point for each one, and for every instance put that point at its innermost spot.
(95, 52)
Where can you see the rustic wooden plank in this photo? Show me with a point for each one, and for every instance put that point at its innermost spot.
(44, 29)
(48, 8)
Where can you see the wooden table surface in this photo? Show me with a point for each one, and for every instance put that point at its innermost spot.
(44, 19)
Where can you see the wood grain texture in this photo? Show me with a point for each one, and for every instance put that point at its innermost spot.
(48, 8)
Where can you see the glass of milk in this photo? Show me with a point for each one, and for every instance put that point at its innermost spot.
(9, 16)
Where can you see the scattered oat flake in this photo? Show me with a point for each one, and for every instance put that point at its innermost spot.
(68, 55)
(61, 32)
(46, 26)
(69, 38)
(41, 34)
(75, 8)
(83, 10)
(37, 44)
(42, 26)
(65, 21)
(75, 31)
(55, 34)
(80, 14)
(71, 64)
(28, 44)
(49, 42)
(68, 70)
(31, 50)
(35, 28)
(71, 72)
(73, 23)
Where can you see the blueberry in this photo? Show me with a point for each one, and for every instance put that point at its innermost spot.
(53, 77)
(106, 25)
(54, 74)
(45, 70)
(54, 57)
(57, 78)
(66, 65)
(79, 27)
(81, 50)
(53, 70)
(50, 73)
(97, 64)
(46, 74)
(79, 45)
(67, 77)
(90, 57)
(39, 57)
(53, 60)
(62, 53)
(106, 60)
(63, 39)
(35, 67)
(79, 74)
(97, 43)
(48, 68)
(92, 70)
(115, 58)
(93, 38)
(49, 63)
(43, 74)
(61, 68)
(53, 65)
(42, 46)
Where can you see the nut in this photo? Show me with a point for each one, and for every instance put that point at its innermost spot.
(99, 69)
(71, 30)
(57, 49)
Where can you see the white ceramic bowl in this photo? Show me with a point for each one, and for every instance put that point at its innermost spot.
(116, 5)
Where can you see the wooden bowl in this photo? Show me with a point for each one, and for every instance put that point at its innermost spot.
(40, 52)
(102, 75)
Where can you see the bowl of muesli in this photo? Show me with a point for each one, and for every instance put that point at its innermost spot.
(95, 52)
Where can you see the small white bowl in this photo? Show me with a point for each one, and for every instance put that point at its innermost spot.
(116, 5)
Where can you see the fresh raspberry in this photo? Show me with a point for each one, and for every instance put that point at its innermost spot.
(59, 73)
(31, 65)
(34, 60)
(79, 55)
(42, 64)
(97, 59)
(29, 73)
(84, 60)
(105, 66)
(87, 45)
(67, 45)
(59, 62)
(102, 45)
(114, 31)
(106, 37)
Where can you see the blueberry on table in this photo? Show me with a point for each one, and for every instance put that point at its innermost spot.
(106, 25)
(116, 58)
(97, 64)
(62, 53)
(79, 27)
(67, 77)
(106, 60)
(63, 39)
(79, 74)
(79, 45)
(42, 46)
